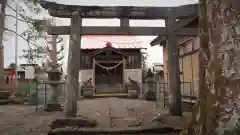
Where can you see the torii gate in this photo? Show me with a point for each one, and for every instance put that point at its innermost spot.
(124, 13)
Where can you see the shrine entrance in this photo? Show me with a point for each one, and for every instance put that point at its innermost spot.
(108, 70)
(124, 13)
(107, 78)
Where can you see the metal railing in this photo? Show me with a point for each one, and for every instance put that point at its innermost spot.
(45, 93)
(162, 92)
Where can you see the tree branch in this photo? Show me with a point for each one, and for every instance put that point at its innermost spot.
(18, 18)
(19, 36)
(36, 27)
(24, 19)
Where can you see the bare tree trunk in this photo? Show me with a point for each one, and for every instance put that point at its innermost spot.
(2, 19)
(54, 50)
(218, 108)
(54, 67)
(53, 55)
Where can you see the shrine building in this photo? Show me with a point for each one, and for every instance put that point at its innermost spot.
(109, 61)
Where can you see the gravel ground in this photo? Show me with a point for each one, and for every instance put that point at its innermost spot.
(24, 120)
(109, 112)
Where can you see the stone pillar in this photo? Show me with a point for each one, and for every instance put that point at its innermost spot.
(124, 24)
(54, 77)
(54, 51)
(175, 108)
(2, 74)
(73, 65)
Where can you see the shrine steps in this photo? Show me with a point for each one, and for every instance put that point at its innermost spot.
(108, 89)
(118, 95)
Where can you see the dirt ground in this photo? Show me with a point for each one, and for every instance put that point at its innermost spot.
(114, 112)
(109, 112)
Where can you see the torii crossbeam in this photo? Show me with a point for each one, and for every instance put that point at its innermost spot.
(130, 12)
(124, 13)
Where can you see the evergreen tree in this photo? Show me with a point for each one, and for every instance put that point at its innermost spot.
(36, 27)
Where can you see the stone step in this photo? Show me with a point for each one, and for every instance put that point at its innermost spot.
(119, 95)
(108, 91)
(114, 131)
(73, 122)
(108, 88)
(5, 92)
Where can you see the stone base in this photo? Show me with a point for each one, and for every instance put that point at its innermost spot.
(4, 102)
(150, 96)
(33, 99)
(17, 100)
(87, 92)
(87, 95)
(161, 129)
(132, 94)
(73, 122)
(53, 107)
(5, 92)
(177, 122)
(141, 96)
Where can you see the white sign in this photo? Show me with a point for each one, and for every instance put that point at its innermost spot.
(29, 72)
(158, 68)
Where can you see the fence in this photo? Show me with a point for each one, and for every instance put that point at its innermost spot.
(162, 92)
(45, 94)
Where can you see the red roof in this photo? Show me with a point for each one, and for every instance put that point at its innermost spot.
(122, 42)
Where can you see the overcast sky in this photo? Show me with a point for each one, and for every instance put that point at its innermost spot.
(155, 53)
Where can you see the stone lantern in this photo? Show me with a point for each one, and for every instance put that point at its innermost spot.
(54, 76)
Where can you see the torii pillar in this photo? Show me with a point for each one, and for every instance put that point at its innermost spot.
(2, 19)
(73, 65)
(174, 84)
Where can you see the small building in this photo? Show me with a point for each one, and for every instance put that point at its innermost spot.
(109, 61)
(188, 58)
(10, 74)
(21, 73)
(158, 72)
(10, 77)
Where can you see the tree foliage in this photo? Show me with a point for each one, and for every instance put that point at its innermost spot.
(36, 27)
(33, 54)
(58, 53)
(12, 66)
(36, 30)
